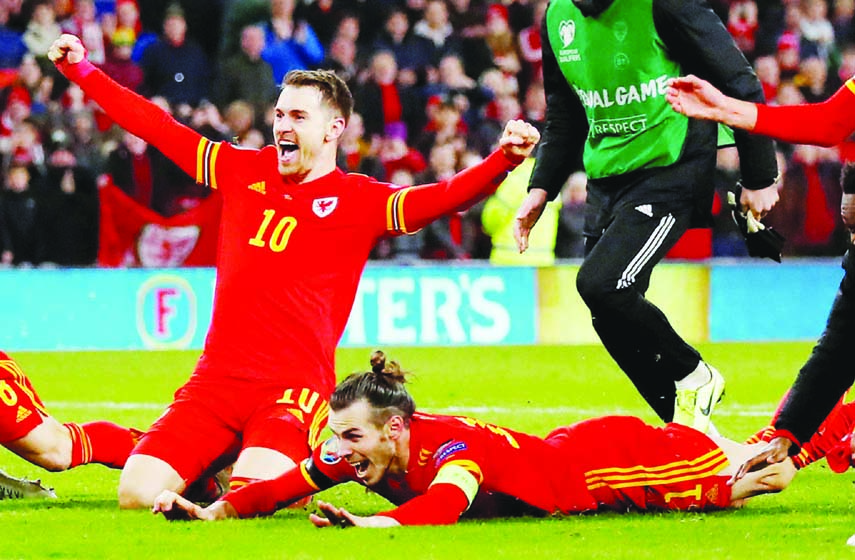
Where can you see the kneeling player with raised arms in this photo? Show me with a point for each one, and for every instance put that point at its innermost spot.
(436, 468)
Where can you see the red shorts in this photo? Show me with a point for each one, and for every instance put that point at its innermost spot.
(211, 417)
(630, 465)
(21, 409)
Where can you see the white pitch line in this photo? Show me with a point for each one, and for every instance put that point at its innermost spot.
(752, 411)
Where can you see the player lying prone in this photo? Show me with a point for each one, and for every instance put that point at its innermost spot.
(437, 468)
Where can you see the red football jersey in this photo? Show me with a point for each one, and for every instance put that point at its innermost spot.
(613, 462)
(290, 254)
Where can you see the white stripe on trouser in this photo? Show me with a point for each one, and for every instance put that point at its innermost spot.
(643, 256)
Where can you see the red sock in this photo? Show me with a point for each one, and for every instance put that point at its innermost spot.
(765, 434)
(829, 435)
(101, 442)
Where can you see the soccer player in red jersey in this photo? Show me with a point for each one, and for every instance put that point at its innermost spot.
(295, 235)
(28, 430)
(828, 373)
(437, 468)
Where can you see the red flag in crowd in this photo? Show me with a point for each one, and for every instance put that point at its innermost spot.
(132, 235)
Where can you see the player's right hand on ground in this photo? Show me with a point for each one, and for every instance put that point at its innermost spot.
(67, 48)
(174, 506)
(528, 214)
(775, 451)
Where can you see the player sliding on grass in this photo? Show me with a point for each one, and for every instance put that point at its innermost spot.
(295, 235)
(28, 430)
(437, 468)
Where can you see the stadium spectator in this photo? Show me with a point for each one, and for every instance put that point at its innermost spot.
(42, 29)
(273, 342)
(21, 228)
(127, 23)
(436, 28)
(245, 76)
(530, 46)
(843, 23)
(445, 126)
(825, 377)
(28, 430)
(381, 100)
(817, 33)
(813, 79)
(341, 59)
(769, 74)
(129, 167)
(356, 155)
(742, 23)
(502, 41)
(413, 53)
(12, 46)
(435, 469)
(84, 23)
(498, 221)
(119, 64)
(647, 187)
(69, 210)
(175, 66)
(291, 44)
(788, 48)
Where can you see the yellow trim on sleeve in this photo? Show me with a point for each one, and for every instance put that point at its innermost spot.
(456, 474)
(200, 160)
(850, 84)
(212, 165)
(306, 476)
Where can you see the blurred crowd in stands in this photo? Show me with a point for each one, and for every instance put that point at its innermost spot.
(434, 81)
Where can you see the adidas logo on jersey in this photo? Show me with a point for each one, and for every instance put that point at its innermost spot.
(645, 209)
(22, 415)
(258, 187)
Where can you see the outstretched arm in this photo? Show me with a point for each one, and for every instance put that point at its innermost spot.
(412, 208)
(823, 124)
(132, 112)
(697, 98)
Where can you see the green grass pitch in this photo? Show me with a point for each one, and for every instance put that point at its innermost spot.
(528, 388)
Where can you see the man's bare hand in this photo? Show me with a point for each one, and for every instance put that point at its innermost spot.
(776, 451)
(695, 97)
(528, 214)
(169, 504)
(339, 517)
(66, 48)
(759, 202)
(518, 140)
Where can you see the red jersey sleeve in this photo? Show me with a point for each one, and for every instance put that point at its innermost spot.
(412, 208)
(442, 504)
(324, 469)
(266, 496)
(140, 116)
(824, 124)
(453, 488)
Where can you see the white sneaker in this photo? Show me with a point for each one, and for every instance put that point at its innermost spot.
(693, 407)
(12, 488)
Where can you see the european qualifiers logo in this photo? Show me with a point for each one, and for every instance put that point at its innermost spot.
(567, 33)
